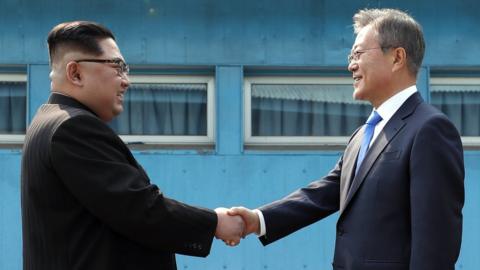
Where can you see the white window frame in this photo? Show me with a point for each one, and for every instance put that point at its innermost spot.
(295, 141)
(209, 139)
(468, 141)
(14, 138)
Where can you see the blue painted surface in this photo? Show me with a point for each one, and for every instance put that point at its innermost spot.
(10, 217)
(423, 83)
(228, 37)
(249, 32)
(229, 134)
(249, 179)
(38, 88)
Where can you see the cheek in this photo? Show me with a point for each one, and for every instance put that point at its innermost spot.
(110, 89)
(382, 76)
(377, 74)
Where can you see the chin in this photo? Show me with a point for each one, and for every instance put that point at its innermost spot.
(117, 111)
(358, 95)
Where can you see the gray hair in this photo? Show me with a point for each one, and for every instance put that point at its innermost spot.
(395, 28)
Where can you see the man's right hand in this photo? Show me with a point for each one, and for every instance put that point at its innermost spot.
(230, 228)
(251, 219)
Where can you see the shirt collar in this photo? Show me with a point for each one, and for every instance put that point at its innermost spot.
(390, 107)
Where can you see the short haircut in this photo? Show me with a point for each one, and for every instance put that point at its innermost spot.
(395, 28)
(83, 36)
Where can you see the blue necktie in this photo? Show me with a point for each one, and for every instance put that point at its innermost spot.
(372, 121)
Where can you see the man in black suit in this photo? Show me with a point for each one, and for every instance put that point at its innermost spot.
(399, 184)
(86, 202)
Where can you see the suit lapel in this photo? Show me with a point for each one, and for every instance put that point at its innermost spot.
(390, 130)
(348, 166)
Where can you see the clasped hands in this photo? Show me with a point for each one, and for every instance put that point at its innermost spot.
(236, 223)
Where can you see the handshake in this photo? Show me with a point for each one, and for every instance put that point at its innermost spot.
(236, 223)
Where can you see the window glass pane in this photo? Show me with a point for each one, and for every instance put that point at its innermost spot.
(305, 110)
(12, 107)
(164, 109)
(461, 103)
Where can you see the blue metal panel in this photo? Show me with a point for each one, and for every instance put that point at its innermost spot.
(423, 83)
(267, 32)
(38, 88)
(251, 179)
(229, 109)
(10, 216)
(469, 258)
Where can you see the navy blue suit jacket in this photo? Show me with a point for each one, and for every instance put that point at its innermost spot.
(404, 207)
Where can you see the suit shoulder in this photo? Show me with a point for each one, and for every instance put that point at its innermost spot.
(57, 113)
(427, 112)
(82, 123)
(50, 117)
(434, 122)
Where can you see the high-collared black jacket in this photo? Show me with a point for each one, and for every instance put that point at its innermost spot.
(87, 203)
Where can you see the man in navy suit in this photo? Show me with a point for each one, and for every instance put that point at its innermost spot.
(399, 184)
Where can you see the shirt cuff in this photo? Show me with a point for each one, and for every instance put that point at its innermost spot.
(263, 230)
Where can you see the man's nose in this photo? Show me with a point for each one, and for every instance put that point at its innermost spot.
(352, 66)
(125, 81)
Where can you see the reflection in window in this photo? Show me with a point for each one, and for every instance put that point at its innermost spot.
(461, 103)
(305, 110)
(164, 109)
(12, 107)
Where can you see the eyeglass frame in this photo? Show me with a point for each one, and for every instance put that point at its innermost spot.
(122, 67)
(355, 55)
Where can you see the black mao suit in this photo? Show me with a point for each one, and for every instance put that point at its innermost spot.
(403, 209)
(87, 203)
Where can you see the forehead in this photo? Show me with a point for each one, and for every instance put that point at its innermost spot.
(366, 37)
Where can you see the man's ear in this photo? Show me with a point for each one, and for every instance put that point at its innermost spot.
(73, 72)
(399, 58)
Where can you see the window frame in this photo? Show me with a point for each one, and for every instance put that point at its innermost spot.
(14, 139)
(289, 141)
(178, 140)
(444, 79)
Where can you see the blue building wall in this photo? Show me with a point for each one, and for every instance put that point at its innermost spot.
(229, 37)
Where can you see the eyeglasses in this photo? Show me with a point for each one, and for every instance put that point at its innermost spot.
(355, 55)
(121, 66)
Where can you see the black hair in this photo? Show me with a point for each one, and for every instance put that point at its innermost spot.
(80, 35)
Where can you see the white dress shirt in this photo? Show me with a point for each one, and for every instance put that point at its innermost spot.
(386, 111)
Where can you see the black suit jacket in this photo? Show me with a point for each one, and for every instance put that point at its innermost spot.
(87, 203)
(404, 207)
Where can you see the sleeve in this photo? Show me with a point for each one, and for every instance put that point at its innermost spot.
(437, 195)
(261, 220)
(303, 207)
(101, 173)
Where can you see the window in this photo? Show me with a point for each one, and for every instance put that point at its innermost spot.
(13, 109)
(459, 99)
(167, 110)
(301, 110)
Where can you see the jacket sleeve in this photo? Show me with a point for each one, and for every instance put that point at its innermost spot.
(437, 195)
(100, 171)
(302, 207)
